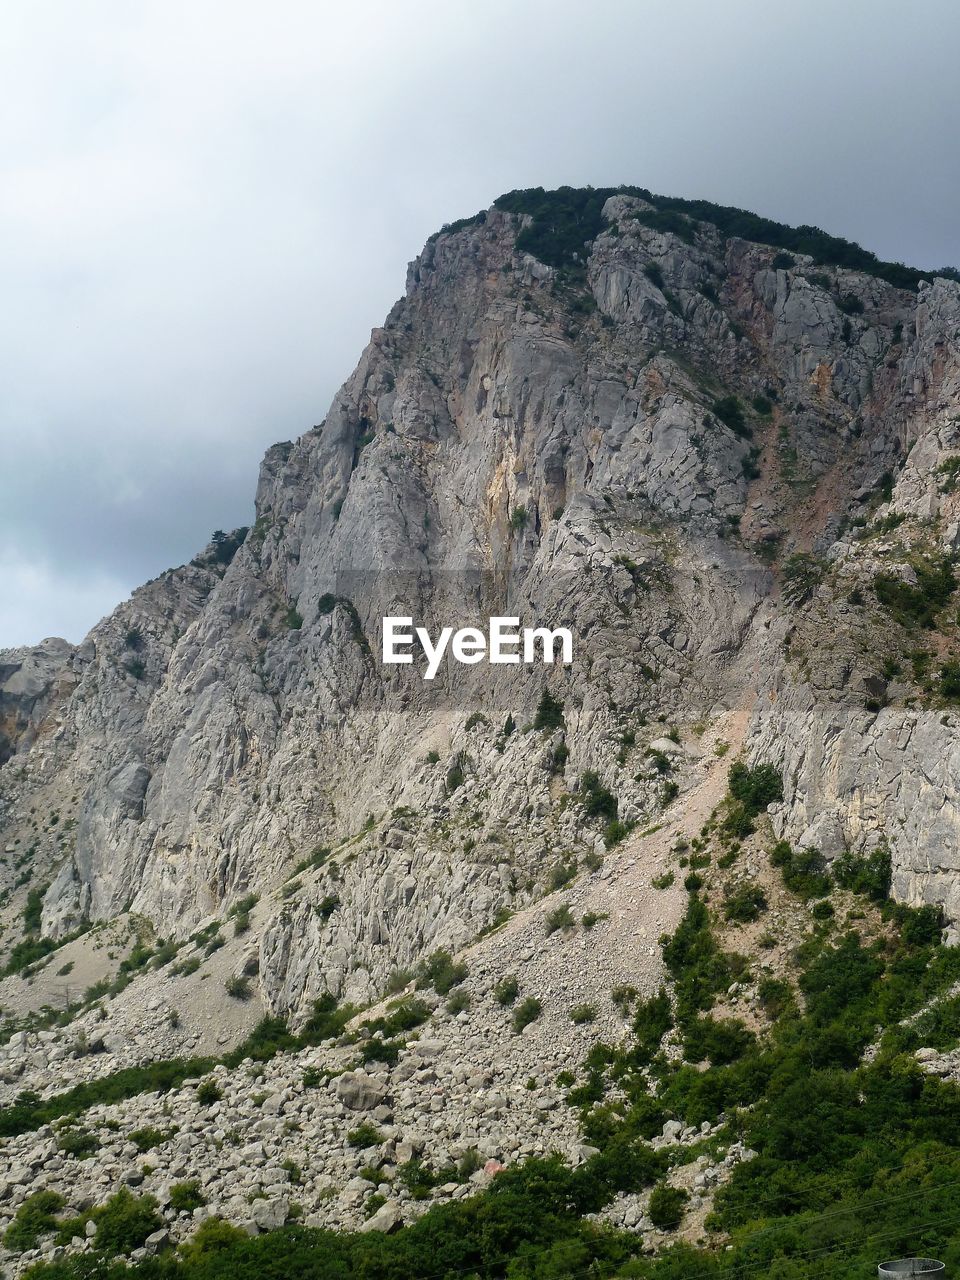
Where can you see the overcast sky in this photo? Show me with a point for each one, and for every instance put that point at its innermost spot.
(206, 206)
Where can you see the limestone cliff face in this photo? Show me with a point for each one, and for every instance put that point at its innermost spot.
(30, 681)
(638, 448)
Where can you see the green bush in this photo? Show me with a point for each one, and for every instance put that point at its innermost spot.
(34, 1218)
(458, 1002)
(187, 1196)
(527, 1011)
(597, 801)
(560, 918)
(696, 963)
(730, 412)
(124, 1222)
(869, 875)
(506, 990)
(623, 996)
(442, 972)
(581, 1013)
(616, 831)
(918, 606)
(77, 1142)
(750, 792)
(404, 1015)
(850, 305)
(549, 713)
(33, 911)
(745, 904)
(804, 870)
(802, 574)
(666, 1206)
(365, 1135)
(561, 874)
(208, 1092)
(652, 1019)
(654, 275)
(722, 1040)
(149, 1137)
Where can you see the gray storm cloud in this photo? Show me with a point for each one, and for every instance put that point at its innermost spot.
(205, 208)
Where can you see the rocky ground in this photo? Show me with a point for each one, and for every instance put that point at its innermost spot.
(281, 1139)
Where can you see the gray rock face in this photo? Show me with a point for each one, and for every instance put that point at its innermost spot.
(513, 442)
(31, 680)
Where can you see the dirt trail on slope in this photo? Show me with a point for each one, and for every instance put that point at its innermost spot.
(581, 966)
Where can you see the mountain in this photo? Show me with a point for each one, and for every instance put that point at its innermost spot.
(723, 453)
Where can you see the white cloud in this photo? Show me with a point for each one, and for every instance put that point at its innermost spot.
(38, 601)
(204, 208)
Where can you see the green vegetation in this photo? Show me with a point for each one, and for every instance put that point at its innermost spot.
(124, 1222)
(32, 911)
(144, 1139)
(744, 904)
(654, 275)
(730, 412)
(549, 712)
(751, 790)
(597, 801)
(581, 1013)
(506, 990)
(564, 222)
(566, 219)
(365, 1135)
(918, 606)
(449, 228)
(238, 987)
(855, 1158)
(652, 1019)
(208, 1092)
(802, 574)
(666, 1206)
(29, 1112)
(867, 875)
(560, 918)
(561, 873)
(458, 1001)
(270, 1037)
(187, 1196)
(527, 1011)
(34, 1218)
(442, 972)
(804, 871)
(77, 1142)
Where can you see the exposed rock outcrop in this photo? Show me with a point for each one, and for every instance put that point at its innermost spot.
(640, 445)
